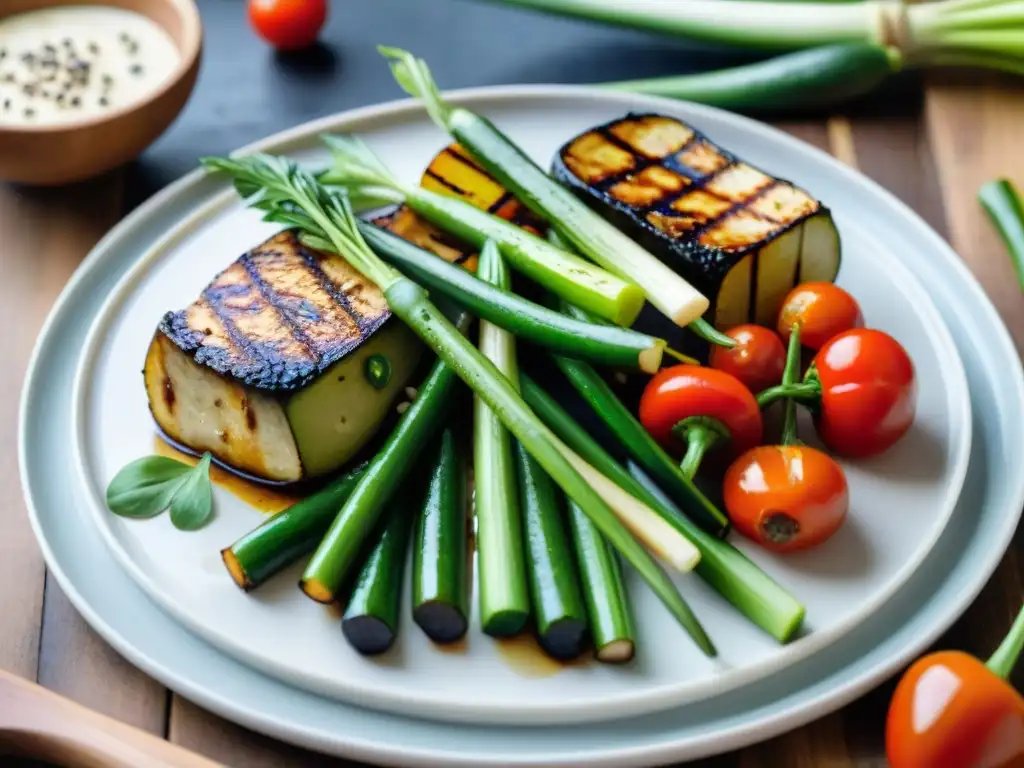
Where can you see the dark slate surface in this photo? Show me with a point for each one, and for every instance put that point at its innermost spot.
(246, 91)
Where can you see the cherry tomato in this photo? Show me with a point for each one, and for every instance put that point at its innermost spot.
(288, 24)
(757, 359)
(786, 497)
(868, 392)
(823, 310)
(949, 710)
(687, 391)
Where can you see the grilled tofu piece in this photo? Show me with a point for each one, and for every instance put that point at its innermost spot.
(739, 236)
(267, 369)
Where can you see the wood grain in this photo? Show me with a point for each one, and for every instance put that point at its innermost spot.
(45, 234)
(232, 745)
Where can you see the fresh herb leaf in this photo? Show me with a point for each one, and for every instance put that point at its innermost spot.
(193, 502)
(145, 487)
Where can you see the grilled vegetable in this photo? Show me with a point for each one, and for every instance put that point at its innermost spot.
(288, 535)
(266, 369)
(440, 573)
(337, 552)
(724, 567)
(559, 615)
(604, 590)
(599, 343)
(357, 169)
(595, 238)
(741, 237)
(288, 194)
(501, 559)
(370, 623)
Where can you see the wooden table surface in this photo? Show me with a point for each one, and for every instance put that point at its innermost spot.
(934, 155)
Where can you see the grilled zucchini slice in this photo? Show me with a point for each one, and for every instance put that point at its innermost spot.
(268, 370)
(740, 236)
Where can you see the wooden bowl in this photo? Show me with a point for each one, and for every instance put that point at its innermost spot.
(60, 154)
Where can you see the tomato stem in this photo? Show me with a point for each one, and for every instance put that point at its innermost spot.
(806, 392)
(699, 433)
(1001, 662)
(789, 377)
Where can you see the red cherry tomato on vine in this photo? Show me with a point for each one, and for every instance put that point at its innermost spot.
(688, 391)
(868, 392)
(757, 359)
(786, 497)
(288, 24)
(823, 310)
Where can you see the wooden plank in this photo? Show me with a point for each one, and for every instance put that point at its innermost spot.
(75, 662)
(45, 234)
(232, 745)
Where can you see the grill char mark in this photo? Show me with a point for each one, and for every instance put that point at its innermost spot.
(274, 319)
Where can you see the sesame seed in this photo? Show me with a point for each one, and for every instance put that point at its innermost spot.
(402, 407)
(411, 392)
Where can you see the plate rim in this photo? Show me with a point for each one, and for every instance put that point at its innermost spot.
(797, 714)
(659, 696)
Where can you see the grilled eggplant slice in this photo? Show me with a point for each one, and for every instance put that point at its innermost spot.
(268, 369)
(738, 235)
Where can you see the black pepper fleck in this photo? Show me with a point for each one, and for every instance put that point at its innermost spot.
(76, 101)
(104, 101)
(28, 58)
(135, 69)
(123, 37)
(7, 104)
(59, 98)
(8, 77)
(29, 112)
(28, 89)
(108, 80)
(93, 48)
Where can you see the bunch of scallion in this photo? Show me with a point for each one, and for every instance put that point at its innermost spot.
(838, 50)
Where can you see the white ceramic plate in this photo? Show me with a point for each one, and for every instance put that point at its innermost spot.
(935, 594)
(279, 631)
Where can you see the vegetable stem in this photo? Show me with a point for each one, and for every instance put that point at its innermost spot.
(789, 376)
(816, 77)
(640, 445)
(370, 623)
(1002, 662)
(502, 588)
(559, 615)
(266, 182)
(291, 533)
(608, 610)
(358, 170)
(700, 433)
(598, 342)
(594, 237)
(1002, 201)
(724, 567)
(440, 577)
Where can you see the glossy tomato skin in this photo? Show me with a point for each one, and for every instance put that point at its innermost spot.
(946, 709)
(786, 497)
(823, 311)
(685, 391)
(868, 393)
(288, 24)
(757, 359)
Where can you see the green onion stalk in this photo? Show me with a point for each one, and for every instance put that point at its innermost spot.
(1002, 201)
(289, 194)
(972, 33)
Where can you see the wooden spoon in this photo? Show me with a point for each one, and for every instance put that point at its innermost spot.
(38, 723)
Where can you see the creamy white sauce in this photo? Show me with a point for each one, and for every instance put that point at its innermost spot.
(68, 63)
